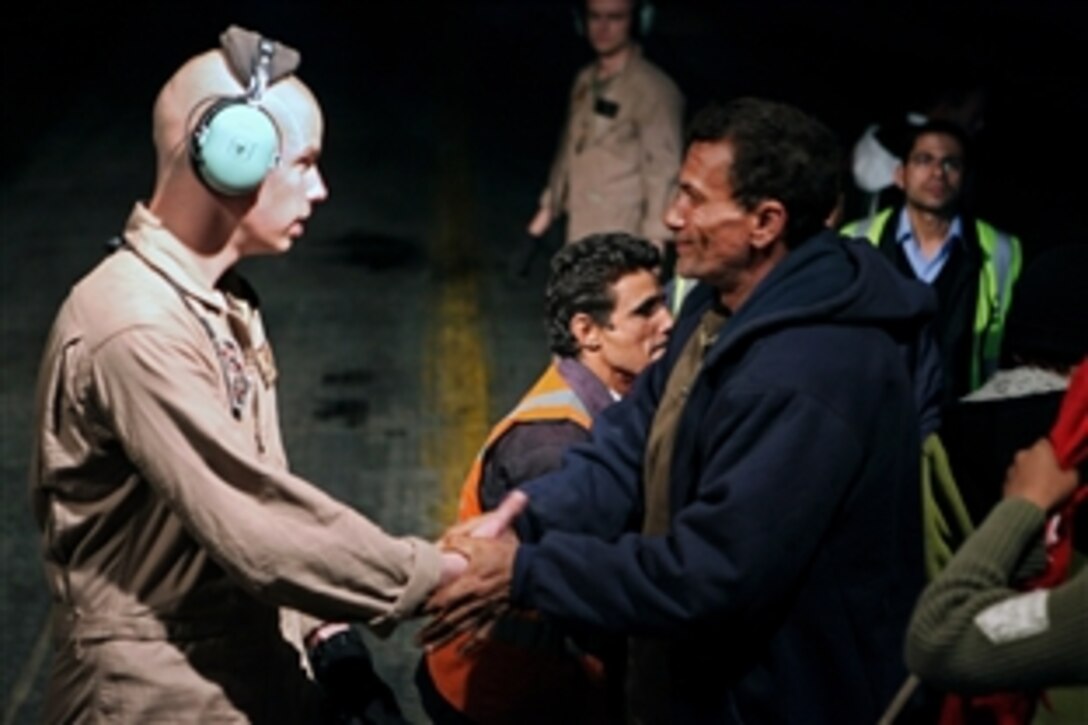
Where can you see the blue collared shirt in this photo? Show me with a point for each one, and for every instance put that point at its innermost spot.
(926, 270)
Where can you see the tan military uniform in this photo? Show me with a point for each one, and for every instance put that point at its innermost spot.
(172, 529)
(618, 158)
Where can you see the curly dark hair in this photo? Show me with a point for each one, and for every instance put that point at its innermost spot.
(582, 275)
(779, 152)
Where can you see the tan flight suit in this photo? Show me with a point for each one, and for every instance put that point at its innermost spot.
(178, 547)
(616, 166)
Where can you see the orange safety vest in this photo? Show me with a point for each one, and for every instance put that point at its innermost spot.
(518, 674)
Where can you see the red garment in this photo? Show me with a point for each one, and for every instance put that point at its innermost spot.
(1070, 432)
(1069, 436)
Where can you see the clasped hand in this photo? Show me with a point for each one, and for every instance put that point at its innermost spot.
(1036, 475)
(470, 604)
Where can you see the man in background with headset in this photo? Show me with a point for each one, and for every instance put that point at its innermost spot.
(180, 551)
(617, 160)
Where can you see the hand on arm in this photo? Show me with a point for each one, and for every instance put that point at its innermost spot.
(491, 524)
(454, 564)
(501, 520)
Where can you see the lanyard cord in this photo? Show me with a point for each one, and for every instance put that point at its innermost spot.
(235, 401)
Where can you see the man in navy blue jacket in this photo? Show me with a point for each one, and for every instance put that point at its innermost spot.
(750, 513)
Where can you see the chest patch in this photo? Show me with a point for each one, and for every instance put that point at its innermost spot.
(234, 371)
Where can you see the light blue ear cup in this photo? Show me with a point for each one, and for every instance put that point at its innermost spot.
(236, 142)
(234, 146)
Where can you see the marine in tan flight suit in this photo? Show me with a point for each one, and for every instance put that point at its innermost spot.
(179, 548)
(616, 164)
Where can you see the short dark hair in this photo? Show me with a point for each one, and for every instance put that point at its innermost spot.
(582, 275)
(935, 125)
(779, 152)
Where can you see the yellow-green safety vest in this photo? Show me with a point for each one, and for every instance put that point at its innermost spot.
(1001, 261)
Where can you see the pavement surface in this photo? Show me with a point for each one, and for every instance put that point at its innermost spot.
(400, 330)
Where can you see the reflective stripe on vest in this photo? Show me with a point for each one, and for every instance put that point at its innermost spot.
(550, 398)
(870, 227)
(451, 670)
(1002, 259)
(1001, 262)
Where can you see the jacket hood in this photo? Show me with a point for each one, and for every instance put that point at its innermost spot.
(827, 279)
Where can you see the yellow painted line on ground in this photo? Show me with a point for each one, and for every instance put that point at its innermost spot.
(457, 390)
(455, 370)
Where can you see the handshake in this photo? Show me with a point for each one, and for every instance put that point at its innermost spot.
(477, 567)
(474, 589)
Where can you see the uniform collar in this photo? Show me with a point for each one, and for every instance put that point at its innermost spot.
(593, 393)
(905, 233)
(167, 254)
(634, 57)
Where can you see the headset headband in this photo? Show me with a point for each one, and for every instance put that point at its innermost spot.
(244, 50)
(258, 77)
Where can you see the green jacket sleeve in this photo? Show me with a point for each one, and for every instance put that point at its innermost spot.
(973, 632)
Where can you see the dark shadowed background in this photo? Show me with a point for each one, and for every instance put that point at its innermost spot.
(441, 121)
(848, 61)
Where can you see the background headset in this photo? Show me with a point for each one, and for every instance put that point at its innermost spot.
(642, 18)
(235, 143)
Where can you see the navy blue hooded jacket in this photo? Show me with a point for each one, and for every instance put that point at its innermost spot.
(794, 553)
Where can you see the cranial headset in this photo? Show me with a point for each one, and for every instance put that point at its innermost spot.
(235, 143)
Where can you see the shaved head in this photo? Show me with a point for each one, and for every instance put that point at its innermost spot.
(199, 83)
(226, 226)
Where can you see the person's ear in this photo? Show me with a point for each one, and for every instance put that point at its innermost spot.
(770, 217)
(900, 175)
(585, 331)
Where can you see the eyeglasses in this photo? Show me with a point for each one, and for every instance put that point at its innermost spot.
(948, 164)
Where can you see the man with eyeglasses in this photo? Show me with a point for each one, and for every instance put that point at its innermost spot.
(971, 264)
